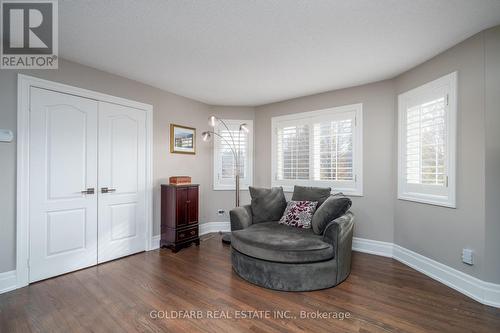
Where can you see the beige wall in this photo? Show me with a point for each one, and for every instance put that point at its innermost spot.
(437, 232)
(168, 108)
(492, 119)
(8, 120)
(374, 211)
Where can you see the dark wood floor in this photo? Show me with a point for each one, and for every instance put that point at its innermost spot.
(380, 295)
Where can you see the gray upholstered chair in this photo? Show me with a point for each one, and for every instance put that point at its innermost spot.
(281, 257)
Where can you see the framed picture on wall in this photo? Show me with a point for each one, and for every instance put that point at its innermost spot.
(182, 139)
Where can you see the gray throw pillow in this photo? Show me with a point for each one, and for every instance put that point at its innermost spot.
(306, 193)
(333, 207)
(268, 204)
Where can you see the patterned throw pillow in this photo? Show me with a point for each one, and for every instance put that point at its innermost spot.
(299, 214)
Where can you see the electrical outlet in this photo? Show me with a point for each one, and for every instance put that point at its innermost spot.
(220, 212)
(6, 135)
(468, 256)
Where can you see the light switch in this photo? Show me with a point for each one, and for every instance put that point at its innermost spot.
(6, 135)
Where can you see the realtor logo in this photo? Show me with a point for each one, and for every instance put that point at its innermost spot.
(29, 34)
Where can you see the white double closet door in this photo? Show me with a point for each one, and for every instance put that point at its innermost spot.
(87, 182)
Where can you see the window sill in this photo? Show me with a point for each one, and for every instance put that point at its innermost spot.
(445, 202)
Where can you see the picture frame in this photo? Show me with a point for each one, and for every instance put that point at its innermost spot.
(182, 139)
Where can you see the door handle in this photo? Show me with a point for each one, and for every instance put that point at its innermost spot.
(88, 191)
(107, 190)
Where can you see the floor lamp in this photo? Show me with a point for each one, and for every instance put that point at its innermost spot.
(235, 149)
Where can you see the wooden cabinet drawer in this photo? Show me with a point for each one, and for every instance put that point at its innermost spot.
(187, 234)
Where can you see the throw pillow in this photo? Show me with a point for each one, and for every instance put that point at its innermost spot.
(333, 207)
(305, 193)
(299, 214)
(267, 204)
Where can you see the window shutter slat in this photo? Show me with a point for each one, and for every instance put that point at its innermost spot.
(425, 143)
(319, 148)
(225, 153)
(331, 157)
(293, 152)
(333, 150)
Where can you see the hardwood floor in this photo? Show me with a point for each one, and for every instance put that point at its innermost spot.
(380, 295)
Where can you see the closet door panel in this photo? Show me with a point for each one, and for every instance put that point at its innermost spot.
(122, 181)
(63, 166)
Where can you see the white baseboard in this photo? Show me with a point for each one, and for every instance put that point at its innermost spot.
(479, 290)
(491, 294)
(378, 248)
(209, 227)
(155, 242)
(8, 281)
(482, 291)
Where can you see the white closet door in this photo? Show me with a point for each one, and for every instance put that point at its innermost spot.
(63, 160)
(122, 181)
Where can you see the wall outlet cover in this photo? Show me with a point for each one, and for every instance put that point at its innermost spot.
(221, 211)
(468, 256)
(6, 135)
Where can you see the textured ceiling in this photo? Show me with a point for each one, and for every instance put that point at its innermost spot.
(241, 52)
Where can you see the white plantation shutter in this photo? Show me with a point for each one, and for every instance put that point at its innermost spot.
(226, 154)
(293, 152)
(333, 150)
(319, 148)
(427, 141)
(224, 161)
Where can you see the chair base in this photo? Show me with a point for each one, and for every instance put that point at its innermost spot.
(285, 276)
(226, 238)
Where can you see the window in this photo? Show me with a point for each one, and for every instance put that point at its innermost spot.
(224, 161)
(319, 148)
(427, 143)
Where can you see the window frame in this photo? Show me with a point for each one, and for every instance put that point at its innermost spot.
(425, 193)
(339, 112)
(244, 182)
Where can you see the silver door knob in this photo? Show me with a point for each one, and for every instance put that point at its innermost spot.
(89, 191)
(107, 190)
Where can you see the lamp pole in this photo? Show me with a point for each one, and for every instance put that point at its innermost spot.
(237, 169)
(236, 150)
